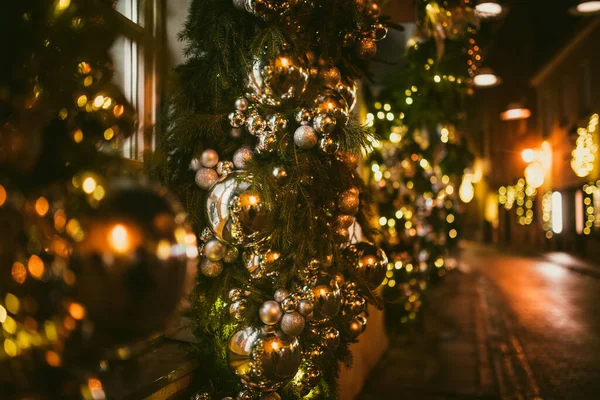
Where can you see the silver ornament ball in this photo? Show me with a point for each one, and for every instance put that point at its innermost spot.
(225, 167)
(289, 304)
(280, 174)
(242, 157)
(270, 312)
(267, 144)
(209, 158)
(206, 178)
(328, 145)
(292, 323)
(241, 104)
(305, 137)
(195, 164)
(305, 307)
(236, 119)
(281, 294)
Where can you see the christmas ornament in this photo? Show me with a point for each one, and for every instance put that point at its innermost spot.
(133, 253)
(209, 158)
(241, 104)
(324, 123)
(270, 312)
(357, 327)
(280, 174)
(327, 299)
(211, 268)
(263, 360)
(224, 167)
(255, 124)
(267, 144)
(370, 262)
(237, 308)
(330, 338)
(330, 75)
(305, 307)
(303, 116)
(206, 178)
(281, 294)
(332, 103)
(344, 220)
(214, 250)
(280, 79)
(379, 31)
(305, 137)
(328, 145)
(348, 202)
(292, 323)
(237, 213)
(373, 11)
(242, 157)
(277, 122)
(231, 255)
(347, 88)
(366, 48)
(195, 164)
(289, 304)
(270, 396)
(237, 119)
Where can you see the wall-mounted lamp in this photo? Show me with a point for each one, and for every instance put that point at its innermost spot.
(585, 8)
(486, 78)
(490, 9)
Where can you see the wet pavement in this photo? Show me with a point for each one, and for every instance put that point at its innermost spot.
(502, 326)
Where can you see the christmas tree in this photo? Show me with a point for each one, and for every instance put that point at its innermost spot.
(417, 168)
(261, 147)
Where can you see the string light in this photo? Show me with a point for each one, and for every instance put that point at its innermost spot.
(584, 154)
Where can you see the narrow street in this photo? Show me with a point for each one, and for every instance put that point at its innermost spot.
(503, 326)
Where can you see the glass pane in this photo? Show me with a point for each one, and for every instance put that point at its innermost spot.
(128, 62)
(132, 9)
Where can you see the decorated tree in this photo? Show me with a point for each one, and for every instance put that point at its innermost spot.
(90, 261)
(417, 168)
(261, 147)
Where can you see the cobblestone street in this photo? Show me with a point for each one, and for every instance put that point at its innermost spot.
(502, 326)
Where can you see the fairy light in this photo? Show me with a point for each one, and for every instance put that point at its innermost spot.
(584, 154)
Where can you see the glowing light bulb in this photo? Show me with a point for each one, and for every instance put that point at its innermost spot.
(466, 192)
(489, 9)
(535, 175)
(588, 7)
(528, 155)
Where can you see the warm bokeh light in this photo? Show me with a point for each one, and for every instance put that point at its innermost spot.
(557, 219)
(36, 267)
(588, 7)
(528, 155)
(489, 9)
(486, 78)
(119, 239)
(466, 191)
(89, 185)
(535, 175)
(514, 112)
(42, 206)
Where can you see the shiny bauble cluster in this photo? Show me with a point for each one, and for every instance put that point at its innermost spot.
(270, 9)
(236, 211)
(364, 41)
(264, 358)
(264, 128)
(214, 254)
(209, 169)
(290, 311)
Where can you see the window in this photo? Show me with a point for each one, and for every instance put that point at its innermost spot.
(138, 66)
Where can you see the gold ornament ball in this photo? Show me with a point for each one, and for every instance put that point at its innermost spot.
(331, 102)
(330, 75)
(347, 88)
(236, 213)
(292, 323)
(356, 327)
(211, 268)
(214, 250)
(369, 261)
(373, 10)
(366, 48)
(270, 312)
(277, 80)
(262, 359)
(344, 220)
(349, 202)
(327, 299)
(328, 145)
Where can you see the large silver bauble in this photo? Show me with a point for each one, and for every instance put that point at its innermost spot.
(280, 79)
(236, 213)
(327, 299)
(369, 261)
(263, 360)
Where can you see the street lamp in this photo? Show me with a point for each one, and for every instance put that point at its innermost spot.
(585, 7)
(515, 111)
(486, 78)
(490, 9)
